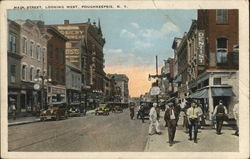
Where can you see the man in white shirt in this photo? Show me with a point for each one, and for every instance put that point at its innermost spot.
(193, 114)
(154, 123)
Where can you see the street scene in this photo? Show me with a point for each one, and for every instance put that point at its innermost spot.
(109, 81)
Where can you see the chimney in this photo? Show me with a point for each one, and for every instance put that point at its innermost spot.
(66, 22)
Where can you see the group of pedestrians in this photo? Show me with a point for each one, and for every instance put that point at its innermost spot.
(194, 119)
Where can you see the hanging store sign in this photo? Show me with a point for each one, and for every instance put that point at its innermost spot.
(155, 91)
(201, 47)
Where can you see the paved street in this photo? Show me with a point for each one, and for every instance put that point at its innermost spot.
(115, 132)
(112, 133)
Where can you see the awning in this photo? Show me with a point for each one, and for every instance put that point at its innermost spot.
(227, 92)
(178, 79)
(199, 94)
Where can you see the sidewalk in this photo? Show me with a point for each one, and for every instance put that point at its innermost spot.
(208, 140)
(32, 119)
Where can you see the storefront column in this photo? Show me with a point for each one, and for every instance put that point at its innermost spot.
(210, 103)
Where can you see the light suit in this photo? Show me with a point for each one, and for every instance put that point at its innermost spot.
(154, 123)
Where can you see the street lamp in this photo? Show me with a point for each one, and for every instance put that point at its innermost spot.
(41, 79)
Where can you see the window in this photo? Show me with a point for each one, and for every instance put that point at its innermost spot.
(38, 72)
(43, 54)
(221, 50)
(217, 81)
(24, 45)
(31, 73)
(24, 67)
(221, 16)
(50, 71)
(31, 48)
(12, 73)
(235, 58)
(37, 52)
(12, 43)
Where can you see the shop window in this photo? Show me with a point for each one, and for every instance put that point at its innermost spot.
(217, 81)
(221, 50)
(12, 43)
(222, 16)
(12, 73)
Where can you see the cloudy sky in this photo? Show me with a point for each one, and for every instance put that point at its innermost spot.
(133, 37)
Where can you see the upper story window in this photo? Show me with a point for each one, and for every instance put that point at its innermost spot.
(12, 73)
(217, 81)
(31, 73)
(24, 71)
(37, 52)
(12, 43)
(43, 54)
(24, 45)
(222, 16)
(31, 48)
(221, 50)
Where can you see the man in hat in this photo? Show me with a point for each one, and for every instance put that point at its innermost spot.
(220, 112)
(193, 114)
(171, 116)
(154, 123)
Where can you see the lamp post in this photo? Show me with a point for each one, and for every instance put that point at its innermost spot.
(41, 79)
(157, 77)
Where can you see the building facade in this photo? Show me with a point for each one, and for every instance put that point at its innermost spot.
(121, 87)
(33, 48)
(73, 85)
(56, 66)
(14, 65)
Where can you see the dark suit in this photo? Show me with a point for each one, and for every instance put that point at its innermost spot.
(171, 123)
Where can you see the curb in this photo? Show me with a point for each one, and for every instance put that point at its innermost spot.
(23, 122)
(147, 145)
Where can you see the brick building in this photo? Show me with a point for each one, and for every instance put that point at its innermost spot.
(56, 66)
(218, 79)
(91, 57)
(14, 65)
(33, 64)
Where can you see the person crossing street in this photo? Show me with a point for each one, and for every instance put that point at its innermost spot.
(154, 123)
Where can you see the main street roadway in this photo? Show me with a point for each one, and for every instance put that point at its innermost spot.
(116, 132)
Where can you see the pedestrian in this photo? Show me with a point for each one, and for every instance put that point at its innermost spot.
(236, 116)
(220, 112)
(154, 123)
(13, 108)
(165, 117)
(132, 112)
(171, 116)
(140, 113)
(185, 118)
(193, 114)
(200, 116)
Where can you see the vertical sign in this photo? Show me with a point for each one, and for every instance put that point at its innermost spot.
(201, 47)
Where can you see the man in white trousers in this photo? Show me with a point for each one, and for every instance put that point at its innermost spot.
(154, 123)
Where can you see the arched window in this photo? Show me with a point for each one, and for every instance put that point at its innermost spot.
(31, 73)
(24, 69)
(221, 50)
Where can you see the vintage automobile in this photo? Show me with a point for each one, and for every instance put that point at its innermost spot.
(74, 112)
(102, 110)
(145, 110)
(55, 111)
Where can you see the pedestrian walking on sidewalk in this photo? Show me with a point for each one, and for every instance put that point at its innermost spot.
(220, 112)
(236, 117)
(165, 117)
(193, 114)
(154, 123)
(13, 108)
(132, 112)
(171, 116)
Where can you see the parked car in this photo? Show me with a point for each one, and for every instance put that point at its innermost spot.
(74, 112)
(55, 111)
(102, 110)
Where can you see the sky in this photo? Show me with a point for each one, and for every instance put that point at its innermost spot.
(133, 37)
